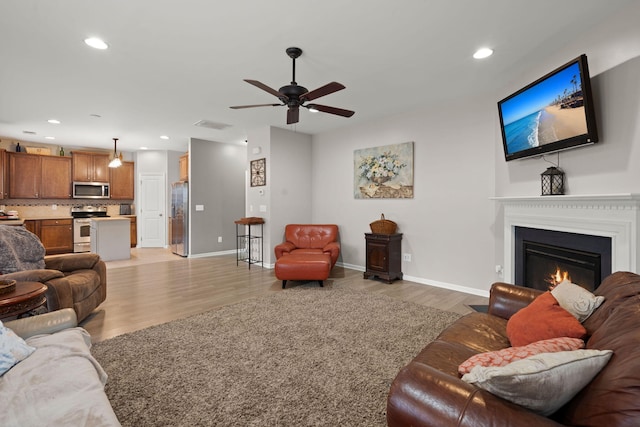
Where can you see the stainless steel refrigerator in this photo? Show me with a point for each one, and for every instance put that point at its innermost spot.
(180, 218)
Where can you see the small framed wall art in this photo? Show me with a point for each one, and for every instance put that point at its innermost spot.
(258, 172)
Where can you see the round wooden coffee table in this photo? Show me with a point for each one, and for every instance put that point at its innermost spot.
(25, 297)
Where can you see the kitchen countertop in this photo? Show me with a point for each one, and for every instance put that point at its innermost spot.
(40, 218)
(11, 221)
(20, 221)
(110, 218)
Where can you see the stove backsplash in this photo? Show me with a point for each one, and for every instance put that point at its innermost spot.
(31, 210)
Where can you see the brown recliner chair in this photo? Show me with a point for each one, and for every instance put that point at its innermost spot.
(309, 252)
(77, 281)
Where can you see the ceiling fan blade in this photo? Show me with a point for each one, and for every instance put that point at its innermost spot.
(235, 107)
(332, 110)
(293, 115)
(266, 88)
(322, 91)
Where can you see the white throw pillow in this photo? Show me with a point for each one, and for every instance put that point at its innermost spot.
(576, 300)
(542, 383)
(13, 349)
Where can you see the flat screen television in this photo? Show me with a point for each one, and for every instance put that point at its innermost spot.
(551, 114)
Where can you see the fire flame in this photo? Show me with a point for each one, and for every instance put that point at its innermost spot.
(557, 277)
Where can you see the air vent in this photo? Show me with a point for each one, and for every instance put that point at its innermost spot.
(29, 132)
(211, 125)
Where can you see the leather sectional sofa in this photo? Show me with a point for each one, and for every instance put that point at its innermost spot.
(430, 392)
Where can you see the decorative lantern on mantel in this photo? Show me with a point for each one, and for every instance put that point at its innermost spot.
(552, 182)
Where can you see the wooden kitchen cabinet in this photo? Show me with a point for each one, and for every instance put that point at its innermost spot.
(122, 181)
(184, 167)
(56, 177)
(33, 176)
(383, 252)
(134, 232)
(90, 167)
(24, 176)
(56, 235)
(4, 169)
(33, 226)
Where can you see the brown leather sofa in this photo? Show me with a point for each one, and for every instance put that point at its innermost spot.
(429, 391)
(77, 281)
(309, 252)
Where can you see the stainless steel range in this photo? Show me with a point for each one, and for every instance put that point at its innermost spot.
(82, 225)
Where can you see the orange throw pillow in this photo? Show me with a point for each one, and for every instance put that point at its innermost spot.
(541, 320)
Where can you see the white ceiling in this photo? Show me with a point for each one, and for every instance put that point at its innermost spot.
(173, 63)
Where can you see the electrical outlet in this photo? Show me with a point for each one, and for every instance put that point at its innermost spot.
(219, 239)
(54, 207)
(406, 257)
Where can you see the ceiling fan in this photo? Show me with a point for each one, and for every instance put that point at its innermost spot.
(295, 96)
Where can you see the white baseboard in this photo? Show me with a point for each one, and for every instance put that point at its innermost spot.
(207, 254)
(429, 282)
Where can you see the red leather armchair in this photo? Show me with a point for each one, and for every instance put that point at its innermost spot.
(310, 239)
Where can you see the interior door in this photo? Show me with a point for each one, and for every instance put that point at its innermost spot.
(152, 211)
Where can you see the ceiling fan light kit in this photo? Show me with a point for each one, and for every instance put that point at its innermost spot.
(295, 96)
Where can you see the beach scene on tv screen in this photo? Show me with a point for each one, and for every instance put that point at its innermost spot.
(549, 111)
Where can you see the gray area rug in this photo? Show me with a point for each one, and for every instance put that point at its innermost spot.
(307, 356)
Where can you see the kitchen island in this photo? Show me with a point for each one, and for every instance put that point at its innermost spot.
(110, 238)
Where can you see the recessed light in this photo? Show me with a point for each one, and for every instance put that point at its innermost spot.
(144, 148)
(96, 43)
(164, 137)
(484, 52)
(49, 137)
(54, 121)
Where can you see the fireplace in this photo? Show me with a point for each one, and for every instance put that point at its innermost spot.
(545, 257)
(615, 217)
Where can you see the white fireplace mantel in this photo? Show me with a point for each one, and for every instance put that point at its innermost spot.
(609, 215)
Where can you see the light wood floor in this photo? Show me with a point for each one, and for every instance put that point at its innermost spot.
(156, 286)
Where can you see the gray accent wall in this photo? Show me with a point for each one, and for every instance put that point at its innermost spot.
(217, 182)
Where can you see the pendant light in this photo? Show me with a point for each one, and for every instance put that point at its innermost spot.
(116, 162)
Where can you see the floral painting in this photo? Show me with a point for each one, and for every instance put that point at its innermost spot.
(384, 172)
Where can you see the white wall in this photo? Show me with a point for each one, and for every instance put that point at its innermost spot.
(612, 165)
(287, 193)
(447, 225)
(451, 227)
(291, 183)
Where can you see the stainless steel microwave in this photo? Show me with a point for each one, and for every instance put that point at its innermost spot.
(91, 190)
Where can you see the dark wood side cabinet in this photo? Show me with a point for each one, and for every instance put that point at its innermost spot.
(384, 256)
